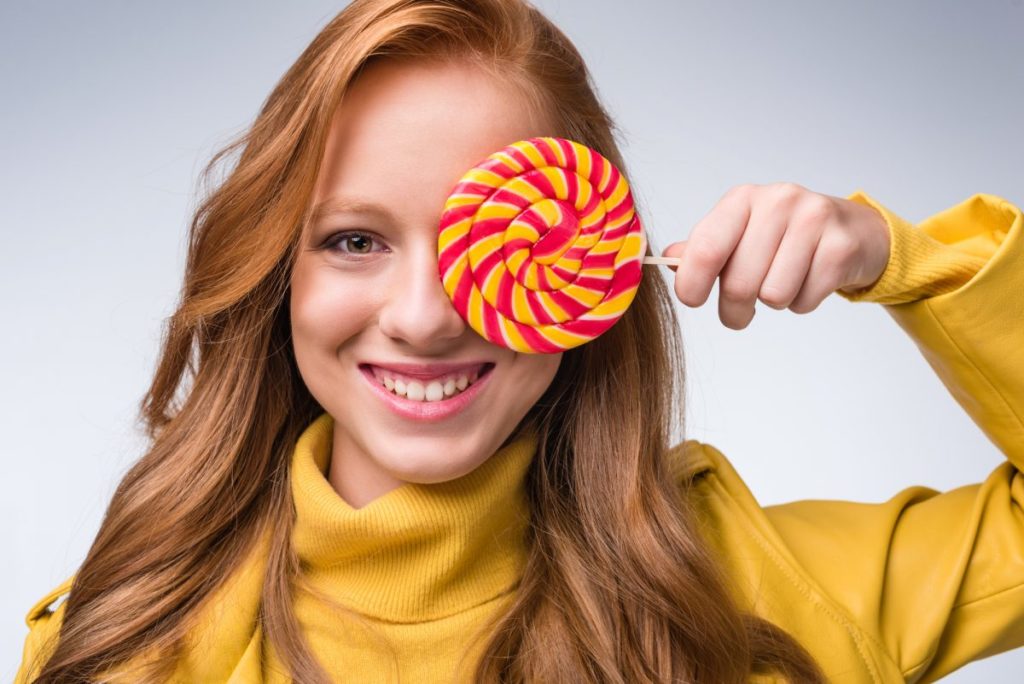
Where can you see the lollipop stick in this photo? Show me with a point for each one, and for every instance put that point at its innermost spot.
(666, 261)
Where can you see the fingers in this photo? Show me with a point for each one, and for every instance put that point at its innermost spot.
(740, 282)
(709, 246)
(779, 243)
(822, 277)
(674, 250)
(789, 270)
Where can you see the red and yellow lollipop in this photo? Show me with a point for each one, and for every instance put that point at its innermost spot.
(540, 247)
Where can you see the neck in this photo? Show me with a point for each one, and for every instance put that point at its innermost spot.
(418, 551)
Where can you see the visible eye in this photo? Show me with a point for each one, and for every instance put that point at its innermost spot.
(351, 242)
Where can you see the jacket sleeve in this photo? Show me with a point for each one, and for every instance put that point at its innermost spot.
(938, 578)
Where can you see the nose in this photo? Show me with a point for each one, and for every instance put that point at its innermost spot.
(417, 309)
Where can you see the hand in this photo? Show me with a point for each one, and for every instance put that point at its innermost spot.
(782, 244)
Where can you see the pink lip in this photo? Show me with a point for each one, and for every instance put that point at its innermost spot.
(428, 371)
(427, 411)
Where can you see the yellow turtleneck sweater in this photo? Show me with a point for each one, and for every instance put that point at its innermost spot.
(428, 566)
(425, 566)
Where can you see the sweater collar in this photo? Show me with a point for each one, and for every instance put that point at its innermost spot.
(421, 551)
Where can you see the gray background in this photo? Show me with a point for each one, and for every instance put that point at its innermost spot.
(110, 108)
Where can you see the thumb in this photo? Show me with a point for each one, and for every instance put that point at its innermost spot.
(675, 249)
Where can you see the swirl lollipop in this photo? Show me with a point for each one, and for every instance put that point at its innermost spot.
(540, 248)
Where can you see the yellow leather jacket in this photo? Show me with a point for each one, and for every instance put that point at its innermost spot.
(912, 588)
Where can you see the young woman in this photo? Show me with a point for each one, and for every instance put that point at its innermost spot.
(517, 517)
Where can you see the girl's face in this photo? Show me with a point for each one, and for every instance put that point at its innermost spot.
(368, 311)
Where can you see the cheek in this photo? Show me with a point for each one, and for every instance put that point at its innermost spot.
(326, 310)
(538, 372)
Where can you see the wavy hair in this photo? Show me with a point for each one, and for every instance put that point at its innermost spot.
(618, 587)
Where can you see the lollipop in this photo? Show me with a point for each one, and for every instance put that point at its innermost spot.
(540, 247)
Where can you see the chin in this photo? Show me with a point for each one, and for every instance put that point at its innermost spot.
(433, 465)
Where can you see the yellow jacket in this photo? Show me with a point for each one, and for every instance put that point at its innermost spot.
(905, 590)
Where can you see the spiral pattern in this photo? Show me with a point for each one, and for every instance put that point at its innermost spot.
(540, 246)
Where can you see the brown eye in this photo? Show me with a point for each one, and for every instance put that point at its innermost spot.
(358, 243)
(351, 242)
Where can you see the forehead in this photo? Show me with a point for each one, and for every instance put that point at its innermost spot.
(410, 129)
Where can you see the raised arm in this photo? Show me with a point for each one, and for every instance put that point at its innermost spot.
(955, 284)
(938, 578)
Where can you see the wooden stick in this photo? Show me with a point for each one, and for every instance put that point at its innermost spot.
(666, 261)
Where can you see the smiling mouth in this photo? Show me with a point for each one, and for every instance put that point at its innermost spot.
(438, 389)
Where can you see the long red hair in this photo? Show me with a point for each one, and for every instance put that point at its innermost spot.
(619, 586)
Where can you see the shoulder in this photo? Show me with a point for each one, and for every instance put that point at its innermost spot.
(41, 610)
(730, 518)
(728, 514)
(708, 474)
(44, 621)
(763, 560)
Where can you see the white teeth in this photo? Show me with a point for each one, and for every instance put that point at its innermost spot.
(414, 390)
(433, 390)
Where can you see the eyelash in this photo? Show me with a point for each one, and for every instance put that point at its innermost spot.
(331, 244)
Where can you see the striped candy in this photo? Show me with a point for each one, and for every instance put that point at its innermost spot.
(540, 246)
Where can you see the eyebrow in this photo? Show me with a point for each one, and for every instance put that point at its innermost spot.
(346, 205)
